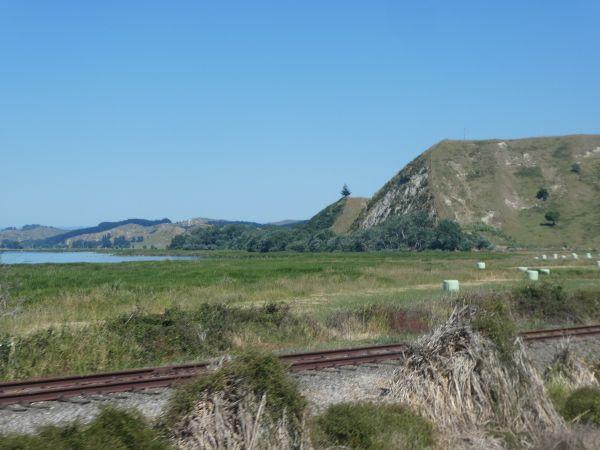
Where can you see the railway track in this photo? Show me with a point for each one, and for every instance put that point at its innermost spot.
(557, 333)
(63, 388)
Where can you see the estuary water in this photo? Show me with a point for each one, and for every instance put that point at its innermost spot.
(77, 257)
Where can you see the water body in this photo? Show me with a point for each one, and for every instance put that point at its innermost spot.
(77, 257)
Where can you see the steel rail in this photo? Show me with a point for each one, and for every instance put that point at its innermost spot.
(556, 333)
(61, 388)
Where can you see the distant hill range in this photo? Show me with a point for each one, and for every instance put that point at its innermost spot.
(29, 233)
(135, 233)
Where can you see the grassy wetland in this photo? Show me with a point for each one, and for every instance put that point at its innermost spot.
(80, 318)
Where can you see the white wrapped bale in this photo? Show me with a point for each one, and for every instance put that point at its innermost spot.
(532, 275)
(522, 269)
(481, 265)
(574, 255)
(544, 257)
(451, 285)
(555, 256)
(588, 255)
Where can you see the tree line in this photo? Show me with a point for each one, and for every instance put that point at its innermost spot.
(414, 231)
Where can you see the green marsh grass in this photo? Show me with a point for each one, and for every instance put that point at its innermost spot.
(78, 318)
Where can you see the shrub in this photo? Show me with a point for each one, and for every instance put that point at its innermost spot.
(541, 301)
(252, 373)
(112, 428)
(548, 301)
(493, 319)
(558, 393)
(542, 194)
(584, 404)
(370, 426)
(552, 217)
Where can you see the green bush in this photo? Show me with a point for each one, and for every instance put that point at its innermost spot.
(369, 426)
(558, 393)
(541, 301)
(493, 319)
(251, 372)
(113, 429)
(584, 403)
(548, 301)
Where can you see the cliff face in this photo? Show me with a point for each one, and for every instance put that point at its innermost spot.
(492, 185)
(406, 192)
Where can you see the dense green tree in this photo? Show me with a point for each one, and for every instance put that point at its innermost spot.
(345, 191)
(552, 217)
(121, 242)
(542, 194)
(105, 242)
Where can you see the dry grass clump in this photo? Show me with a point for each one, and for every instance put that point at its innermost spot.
(249, 403)
(569, 371)
(478, 398)
(219, 422)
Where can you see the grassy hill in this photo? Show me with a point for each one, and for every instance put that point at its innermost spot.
(491, 186)
(339, 216)
(353, 206)
(29, 233)
(158, 236)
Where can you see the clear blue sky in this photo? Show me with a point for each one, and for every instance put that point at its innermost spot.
(262, 110)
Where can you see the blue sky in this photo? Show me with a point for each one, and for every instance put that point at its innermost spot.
(262, 110)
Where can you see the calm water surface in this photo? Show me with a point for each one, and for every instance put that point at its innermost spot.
(76, 257)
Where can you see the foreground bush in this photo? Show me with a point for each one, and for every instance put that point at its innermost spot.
(584, 404)
(250, 402)
(112, 429)
(371, 426)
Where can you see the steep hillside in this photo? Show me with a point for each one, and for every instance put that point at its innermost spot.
(338, 216)
(353, 206)
(492, 186)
